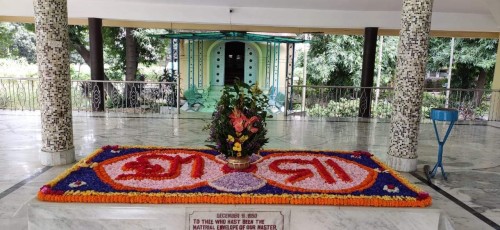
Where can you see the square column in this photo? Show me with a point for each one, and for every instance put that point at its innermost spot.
(495, 96)
(410, 70)
(52, 48)
(369, 51)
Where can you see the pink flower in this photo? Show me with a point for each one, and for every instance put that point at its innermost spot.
(46, 189)
(249, 124)
(253, 130)
(238, 126)
(238, 120)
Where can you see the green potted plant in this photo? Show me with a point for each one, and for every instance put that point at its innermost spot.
(238, 125)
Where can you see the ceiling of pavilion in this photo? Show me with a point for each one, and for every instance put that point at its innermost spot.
(449, 15)
(465, 6)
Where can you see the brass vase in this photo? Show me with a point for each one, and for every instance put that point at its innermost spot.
(238, 163)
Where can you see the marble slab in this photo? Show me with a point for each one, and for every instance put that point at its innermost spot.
(45, 215)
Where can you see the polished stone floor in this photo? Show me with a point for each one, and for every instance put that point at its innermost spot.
(472, 155)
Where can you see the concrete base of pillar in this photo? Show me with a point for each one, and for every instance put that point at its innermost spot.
(57, 158)
(402, 164)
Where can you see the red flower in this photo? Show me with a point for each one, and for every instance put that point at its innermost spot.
(143, 167)
(226, 169)
(235, 114)
(422, 196)
(110, 147)
(361, 153)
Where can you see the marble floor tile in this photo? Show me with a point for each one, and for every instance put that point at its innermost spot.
(471, 155)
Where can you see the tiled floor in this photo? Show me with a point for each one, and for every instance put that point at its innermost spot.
(472, 155)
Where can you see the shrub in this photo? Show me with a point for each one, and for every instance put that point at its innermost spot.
(343, 108)
(432, 100)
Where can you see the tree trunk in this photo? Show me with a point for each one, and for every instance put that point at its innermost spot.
(85, 53)
(97, 63)
(131, 63)
(481, 81)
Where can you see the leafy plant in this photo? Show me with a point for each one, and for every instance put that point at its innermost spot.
(238, 126)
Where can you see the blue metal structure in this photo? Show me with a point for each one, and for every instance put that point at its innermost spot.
(276, 68)
(290, 54)
(445, 115)
(191, 65)
(268, 64)
(174, 56)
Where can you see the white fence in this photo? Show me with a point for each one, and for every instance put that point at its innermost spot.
(106, 96)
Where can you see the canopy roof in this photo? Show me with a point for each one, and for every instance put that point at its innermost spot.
(232, 36)
(454, 17)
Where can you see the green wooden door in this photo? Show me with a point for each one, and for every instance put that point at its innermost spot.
(251, 64)
(217, 65)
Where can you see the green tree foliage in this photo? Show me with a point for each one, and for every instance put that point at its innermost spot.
(17, 41)
(472, 57)
(337, 60)
(5, 40)
(24, 42)
(150, 49)
(389, 59)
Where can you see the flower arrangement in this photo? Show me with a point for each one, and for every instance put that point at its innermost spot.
(238, 126)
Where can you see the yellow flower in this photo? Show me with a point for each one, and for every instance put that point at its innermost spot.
(243, 138)
(230, 138)
(237, 147)
(238, 154)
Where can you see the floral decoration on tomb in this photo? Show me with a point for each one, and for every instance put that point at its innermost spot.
(137, 174)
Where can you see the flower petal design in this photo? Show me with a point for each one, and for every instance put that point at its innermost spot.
(238, 182)
(77, 184)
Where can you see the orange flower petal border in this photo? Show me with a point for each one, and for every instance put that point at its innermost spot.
(374, 192)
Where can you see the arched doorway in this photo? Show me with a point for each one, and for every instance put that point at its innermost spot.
(234, 67)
